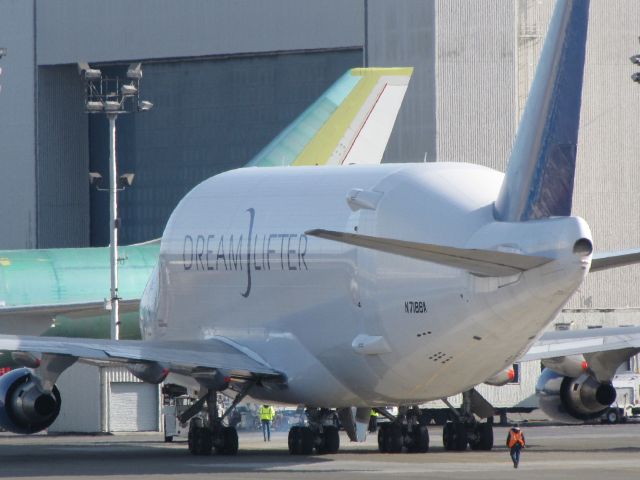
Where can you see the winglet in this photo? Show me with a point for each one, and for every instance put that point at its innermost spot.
(539, 178)
(350, 123)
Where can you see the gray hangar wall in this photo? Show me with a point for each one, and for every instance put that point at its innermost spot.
(17, 126)
(247, 67)
(403, 34)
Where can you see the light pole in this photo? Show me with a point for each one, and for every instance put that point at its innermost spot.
(3, 52)
(113, 97)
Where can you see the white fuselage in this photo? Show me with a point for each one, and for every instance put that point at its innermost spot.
(236, 264)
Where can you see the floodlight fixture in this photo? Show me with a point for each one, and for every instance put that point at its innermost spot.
(94, 177)
(636, 77)
(94, 106)
(128, 90)
(111, 106)
(3, 51)
(635, 59)
(88, 73)
(126, 180)
(135, 71)
(145, 106)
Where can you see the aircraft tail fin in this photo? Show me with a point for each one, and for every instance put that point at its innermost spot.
(539, 178)
(350, 123)
(486, 263)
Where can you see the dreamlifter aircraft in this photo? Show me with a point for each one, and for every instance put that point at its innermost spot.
(347, 288)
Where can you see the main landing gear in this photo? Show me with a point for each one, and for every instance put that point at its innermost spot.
(206, 430)
(465, 429)
(208, 433)
(457, 435)
(321, 434)
(403, 431)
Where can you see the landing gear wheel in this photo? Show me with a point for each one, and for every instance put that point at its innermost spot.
(482, 438)
(229, 440)
(301, 441)
(393, 439)
(330, 440)
(454, 436)
(419, 439)
(612, 416)
(382, 445)
(200, 439)
(447, 436)
(294, 441)
(307, 441)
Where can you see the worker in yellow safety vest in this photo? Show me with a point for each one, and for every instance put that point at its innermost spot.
(515, 442)
(373, 421)
(266, 414)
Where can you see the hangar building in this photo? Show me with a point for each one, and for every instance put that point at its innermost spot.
(226, 76)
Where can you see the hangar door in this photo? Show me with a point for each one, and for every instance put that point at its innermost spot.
(133, 407)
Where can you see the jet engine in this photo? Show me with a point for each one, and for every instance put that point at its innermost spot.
(25, 407)
(572, 400)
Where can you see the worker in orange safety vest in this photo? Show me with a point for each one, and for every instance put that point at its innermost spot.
(515, 442)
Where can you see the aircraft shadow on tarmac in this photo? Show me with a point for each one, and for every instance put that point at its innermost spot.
(91, 457)
(115, 459)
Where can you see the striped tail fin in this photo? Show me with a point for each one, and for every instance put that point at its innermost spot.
(350, 123)
(539, 178)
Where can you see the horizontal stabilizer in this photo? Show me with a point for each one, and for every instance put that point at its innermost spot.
(604, 261)
(487, 263)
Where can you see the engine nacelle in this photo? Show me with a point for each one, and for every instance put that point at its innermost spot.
(572, 400)
(569, 366)
(24, 406)
(502, 377)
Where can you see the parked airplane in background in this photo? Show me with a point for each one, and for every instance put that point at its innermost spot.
(357, 287)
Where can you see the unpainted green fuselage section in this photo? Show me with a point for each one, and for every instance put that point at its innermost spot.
(72, 275)
(55, 278)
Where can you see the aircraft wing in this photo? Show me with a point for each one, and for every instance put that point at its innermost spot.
(489, 263)
(183, 357)
(575, 342)
(604, 261)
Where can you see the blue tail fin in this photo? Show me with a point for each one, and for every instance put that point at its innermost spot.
(539, 178)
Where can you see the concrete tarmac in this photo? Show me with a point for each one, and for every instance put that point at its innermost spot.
(568, 452)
